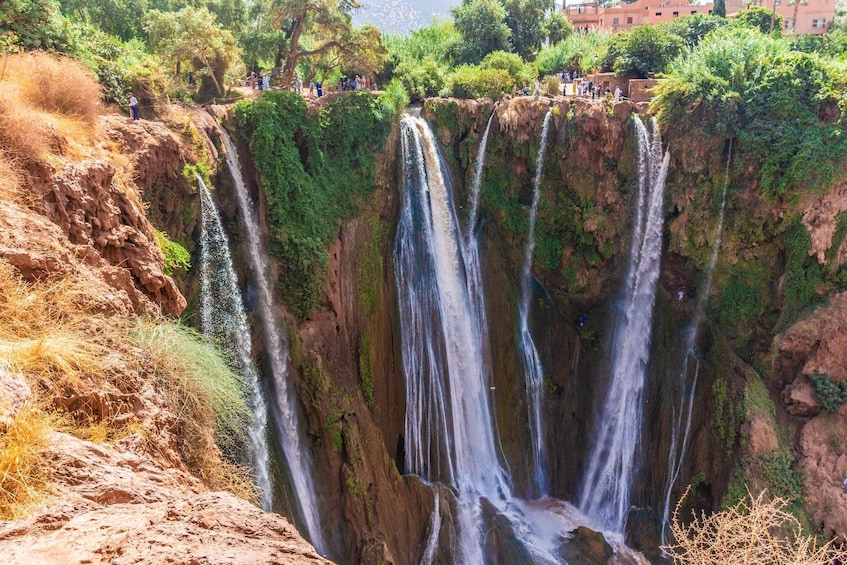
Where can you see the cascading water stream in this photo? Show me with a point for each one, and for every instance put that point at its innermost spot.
(479, 165)
(287, 422)
(449, 423)
(533, 370)
(605, 490)
(222, 316)
(676, 454)
(448, 418)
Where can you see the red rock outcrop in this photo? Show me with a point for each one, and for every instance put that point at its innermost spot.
(823, 442)
(817, 343)
(213, 528)
(84, 219)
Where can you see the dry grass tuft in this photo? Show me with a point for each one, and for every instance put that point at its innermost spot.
(48, 104)
(58, 85)
(24, 469)
(82, 365)
(24, 135)
(10, 177)
(756, 530)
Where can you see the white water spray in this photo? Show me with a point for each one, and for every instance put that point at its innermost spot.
(533, 370)
(222, 316)
(287, 422)
(605, 493)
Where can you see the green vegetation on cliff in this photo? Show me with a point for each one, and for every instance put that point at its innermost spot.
(784, 106)
(317, 168)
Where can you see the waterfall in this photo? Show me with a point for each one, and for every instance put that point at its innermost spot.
(288, 427)
(533, 370)
(676, 454)
(479, 165)
(605, 491)
(222, 317)
(449, 425)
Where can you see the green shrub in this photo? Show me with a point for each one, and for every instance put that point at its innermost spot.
(420, 79)
(757, 17)
(785, 481)
(521, 73)
(469, 81)
(694, 27)
(176, 256)
(316, 169)
(645, 50)
(782, 105)
(581, 52)
(829, 394)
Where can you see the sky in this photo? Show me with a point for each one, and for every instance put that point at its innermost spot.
(402, 16)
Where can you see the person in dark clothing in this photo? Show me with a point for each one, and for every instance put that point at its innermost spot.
(319, 85)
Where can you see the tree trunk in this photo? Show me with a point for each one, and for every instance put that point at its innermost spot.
(293, 51)
(794, 22)
(214, 78)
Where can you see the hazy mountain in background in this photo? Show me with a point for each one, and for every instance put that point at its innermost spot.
(401, 16)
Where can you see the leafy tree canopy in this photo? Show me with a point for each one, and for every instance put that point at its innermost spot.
(643, 50)
(765, 20)
(483, 29)
(557, 27)
(525, 19)
(192, 34)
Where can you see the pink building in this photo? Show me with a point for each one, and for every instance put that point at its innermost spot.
(801, 16)
(627, 16)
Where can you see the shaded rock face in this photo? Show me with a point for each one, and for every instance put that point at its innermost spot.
(370, 513)
(86, 221)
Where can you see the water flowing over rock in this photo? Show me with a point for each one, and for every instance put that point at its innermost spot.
(222, 316)
(288, 421)
(605, 495)
(449, 426)
(534, 372)
(681, 434)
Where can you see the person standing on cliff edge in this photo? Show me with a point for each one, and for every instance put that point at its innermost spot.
(133, 105)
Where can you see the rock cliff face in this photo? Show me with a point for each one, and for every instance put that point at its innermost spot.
(749, 403)
(84, 219)
(83, 226)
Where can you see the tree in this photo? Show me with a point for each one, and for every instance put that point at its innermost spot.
(359, 52)
(482, 27)
(720, 8)
(525, 19)
(328, 20)
(644, 50)
(756, 530)
(190, 35)
(35, 24)
(115, 17)
(557, 27)
(763, 19)
(695, 27)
